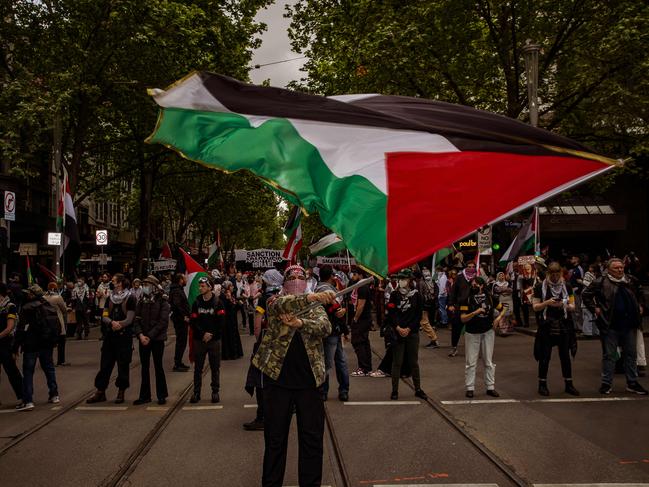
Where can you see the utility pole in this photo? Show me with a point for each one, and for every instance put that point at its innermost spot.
(56, 169)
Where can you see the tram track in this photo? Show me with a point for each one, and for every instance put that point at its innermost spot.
(490, 455)
(53, 417)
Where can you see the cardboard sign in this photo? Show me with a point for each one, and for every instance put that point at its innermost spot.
(484, 241)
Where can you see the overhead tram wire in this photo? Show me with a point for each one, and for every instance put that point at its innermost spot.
(258, 66)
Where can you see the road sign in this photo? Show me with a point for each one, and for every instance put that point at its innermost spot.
(53, 238)
(10, 206)
(28, 249)
(101, 237)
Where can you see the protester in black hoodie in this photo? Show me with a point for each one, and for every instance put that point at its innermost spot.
(151, 323)
(458, 300)
(404, 315)
(207, 321)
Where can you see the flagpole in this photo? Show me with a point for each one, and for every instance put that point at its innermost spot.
(537, 232)
(58, 134)
(349, 262)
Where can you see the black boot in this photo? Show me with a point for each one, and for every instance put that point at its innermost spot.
(99, 396)
(570, 389)
(120, 396)
(543, 388)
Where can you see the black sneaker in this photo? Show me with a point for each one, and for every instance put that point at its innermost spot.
(343, 396)
(215, 397)
(256, 425)
(570, 389)
(605, 389)
(141, 400)
(636, 389)
(195, 398)
(180, 368)
(453, 352)
(493, 393)
(543, 389)
(469, 394)
(421, 394)
(394, 396)
(432, 344)
(162, 401)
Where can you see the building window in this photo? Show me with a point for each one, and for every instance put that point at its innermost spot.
(114, 214)
(100, 212)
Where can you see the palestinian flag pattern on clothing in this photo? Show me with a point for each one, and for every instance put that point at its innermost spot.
(395, 177)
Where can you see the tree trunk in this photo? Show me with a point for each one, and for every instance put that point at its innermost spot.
(146, 198)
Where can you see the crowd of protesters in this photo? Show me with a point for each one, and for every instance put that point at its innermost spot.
(295, 353)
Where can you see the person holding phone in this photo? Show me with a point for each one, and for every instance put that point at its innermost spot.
(554, 301)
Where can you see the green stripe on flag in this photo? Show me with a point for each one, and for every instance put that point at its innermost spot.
(293, 167)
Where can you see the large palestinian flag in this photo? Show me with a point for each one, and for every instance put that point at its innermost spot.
(396, 178)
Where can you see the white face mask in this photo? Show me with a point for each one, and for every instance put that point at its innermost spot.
(147, 290)
(404, 283)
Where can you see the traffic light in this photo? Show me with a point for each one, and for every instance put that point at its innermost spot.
(496, 246)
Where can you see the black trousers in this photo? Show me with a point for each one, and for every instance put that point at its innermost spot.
(213, 351)
(562, 342)
(259, 395)
(83, 327)
(9, 365)
(115, 349)
(181, 341)
(60, 350)
(456, 328)
(155, 348)
(278, 410)
(361, 343)
(241, 308)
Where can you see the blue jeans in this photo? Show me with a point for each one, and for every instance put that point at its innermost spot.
(335, 356)
(45, 357)
(443, 315)
(626, 340)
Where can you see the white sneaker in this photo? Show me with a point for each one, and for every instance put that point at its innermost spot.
(378, 373)
(25, 406)
(54, 400)
(358, 373)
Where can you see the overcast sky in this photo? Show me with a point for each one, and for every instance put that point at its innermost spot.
(275, 47)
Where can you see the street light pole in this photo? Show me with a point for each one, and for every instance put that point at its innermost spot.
(531, 55)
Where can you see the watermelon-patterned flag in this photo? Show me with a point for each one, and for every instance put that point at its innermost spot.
(396, 178)
(30, 278)
(293, 233)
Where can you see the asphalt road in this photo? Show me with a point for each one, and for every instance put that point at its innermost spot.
(381, 442)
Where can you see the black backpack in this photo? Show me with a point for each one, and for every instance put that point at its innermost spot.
(50, 326)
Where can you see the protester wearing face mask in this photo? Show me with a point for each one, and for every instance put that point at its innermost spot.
(291, 357)
(479, 321)
(428, 290)
(361, 324)
(458, 300)
(151, 323)
(404, 315)
(554, 300)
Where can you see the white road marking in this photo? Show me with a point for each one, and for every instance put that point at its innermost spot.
(201, 408)
(56, 408)
(557, 400)
(157, 408)
(251, 406)
(591, 485)
(101, 408)
(382, 403)
(435, 485)
(8, 410)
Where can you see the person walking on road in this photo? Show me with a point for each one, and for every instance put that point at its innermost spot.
(291, 357)
(8, 317)
(458, 300)
(80, 296)
(479, 337)
(616, 301)
(180, 316)
(404, 316)
(207, 320)
(37, 334)
(151, 323)
(333, 344)
(117, 346)
(56, 300)
(554, 302)
(361, 325)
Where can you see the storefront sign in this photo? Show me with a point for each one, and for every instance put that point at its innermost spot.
(468, 244)
(28, 249)
(54, 238)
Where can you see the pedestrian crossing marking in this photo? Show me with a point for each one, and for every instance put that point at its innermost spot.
(592, 485)
(56, 408)
(251, 406)
(201, 408)
(157, 408)
(556, 400)
(8, 410)
(101, 408)
(382, 403)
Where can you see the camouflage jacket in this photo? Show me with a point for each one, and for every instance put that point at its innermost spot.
(272, 350)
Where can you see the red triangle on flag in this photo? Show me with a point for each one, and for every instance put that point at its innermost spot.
(191, 265)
